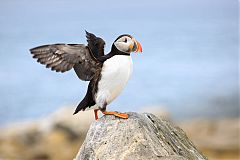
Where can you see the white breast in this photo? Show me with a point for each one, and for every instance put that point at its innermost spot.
(116, 72)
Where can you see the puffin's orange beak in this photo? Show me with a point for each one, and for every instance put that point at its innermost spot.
(138, 46)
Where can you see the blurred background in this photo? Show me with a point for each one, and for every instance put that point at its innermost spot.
(188, 71)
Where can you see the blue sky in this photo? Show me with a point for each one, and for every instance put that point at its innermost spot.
(189, 59)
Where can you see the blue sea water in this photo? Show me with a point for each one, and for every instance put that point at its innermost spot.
(189, 63)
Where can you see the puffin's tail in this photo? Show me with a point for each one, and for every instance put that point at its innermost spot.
(86, 102)
(82, 106)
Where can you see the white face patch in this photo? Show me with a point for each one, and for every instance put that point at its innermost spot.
(123, 44)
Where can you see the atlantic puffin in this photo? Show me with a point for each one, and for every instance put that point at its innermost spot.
(108, 74)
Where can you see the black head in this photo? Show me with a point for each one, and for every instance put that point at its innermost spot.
(126, 43)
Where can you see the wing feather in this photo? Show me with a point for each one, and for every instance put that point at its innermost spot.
(63, 57)
(96, 44)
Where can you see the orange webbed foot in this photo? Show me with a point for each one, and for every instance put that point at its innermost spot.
(117, 114)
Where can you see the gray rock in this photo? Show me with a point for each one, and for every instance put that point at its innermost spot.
(142, 136)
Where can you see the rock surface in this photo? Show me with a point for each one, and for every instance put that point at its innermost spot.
(60, 135)
(142, 136)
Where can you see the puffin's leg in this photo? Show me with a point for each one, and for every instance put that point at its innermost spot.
(96, 114)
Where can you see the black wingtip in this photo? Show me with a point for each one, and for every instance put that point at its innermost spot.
(87, 33)
(32, 50)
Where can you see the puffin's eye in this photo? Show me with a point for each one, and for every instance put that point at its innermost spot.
(125, 40)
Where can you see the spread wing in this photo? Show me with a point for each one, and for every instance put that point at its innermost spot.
(96, 44)
(63, 57)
